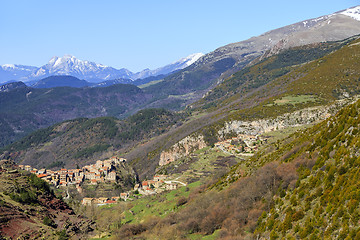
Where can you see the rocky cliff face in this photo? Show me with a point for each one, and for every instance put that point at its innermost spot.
(297, 118)
(182, 148)
(256, 127)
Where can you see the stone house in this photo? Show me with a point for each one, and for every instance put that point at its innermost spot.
(28, 168)
(111, 176)
(115, 198)
(157, 184)
(124, 196)
(171, 186)
(137, 186)
(101, 200)
(90, 175)
(64, 177)
(42, 171)
(87, 201)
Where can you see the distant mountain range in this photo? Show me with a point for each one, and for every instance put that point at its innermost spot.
(92, 72)
(218, 65)
(24, 109)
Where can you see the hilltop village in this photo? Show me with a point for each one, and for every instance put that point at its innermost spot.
(102, 172)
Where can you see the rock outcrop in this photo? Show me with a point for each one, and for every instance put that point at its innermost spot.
(182, 148)
(256, 127)
(294, 119)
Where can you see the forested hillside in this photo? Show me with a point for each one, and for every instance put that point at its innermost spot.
(26, 109)
(80, 141)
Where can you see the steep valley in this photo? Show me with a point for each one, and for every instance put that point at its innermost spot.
(264, 145)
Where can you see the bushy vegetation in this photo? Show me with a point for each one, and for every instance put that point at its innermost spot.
(306, 187)
(57, 164)
(28, 194)
(234, 210)
(39, 137)
(49, 222)
(299, 55)
(147, 121)
(325, 201)
(24, 196)
(89, 151)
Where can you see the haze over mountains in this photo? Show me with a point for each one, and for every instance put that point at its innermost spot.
(89, 71)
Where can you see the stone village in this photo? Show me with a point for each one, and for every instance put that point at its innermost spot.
(100, 172)
(105, 171)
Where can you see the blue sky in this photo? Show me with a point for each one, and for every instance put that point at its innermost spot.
(141, 33)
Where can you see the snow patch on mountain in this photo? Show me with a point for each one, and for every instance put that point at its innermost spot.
(177, 65)
(12, 72)
(15, 67)
(352, 12)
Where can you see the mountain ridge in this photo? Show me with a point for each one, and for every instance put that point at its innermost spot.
(83, 69)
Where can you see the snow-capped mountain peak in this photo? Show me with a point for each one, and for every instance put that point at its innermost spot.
(82, 69)
(191, 58)
(70, 65)
(177, 65)
(8, 66)
(353, 12)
